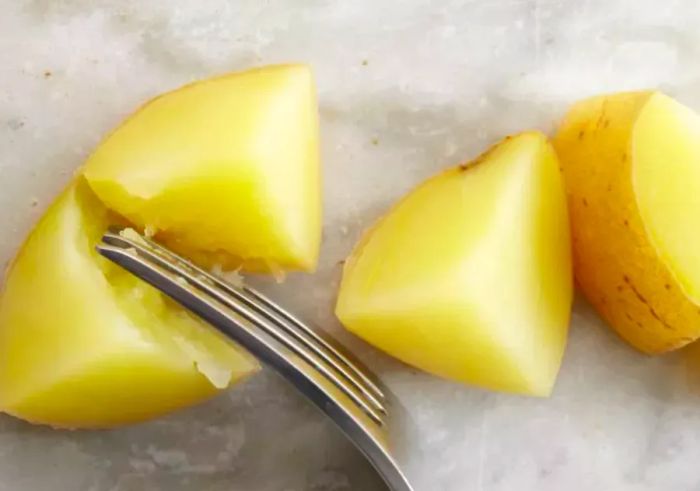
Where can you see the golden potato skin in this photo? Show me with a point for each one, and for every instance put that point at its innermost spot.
(616, 266)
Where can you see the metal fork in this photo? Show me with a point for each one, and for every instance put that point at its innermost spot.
(310, 361)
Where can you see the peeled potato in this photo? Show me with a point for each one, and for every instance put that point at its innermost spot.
(632, 168)
(469, 276)
(85, 344)
(226, 170)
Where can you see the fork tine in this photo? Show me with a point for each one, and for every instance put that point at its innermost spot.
(274, 313)
(351, 373)
(341, 356)
(357, 394)
(201, 297)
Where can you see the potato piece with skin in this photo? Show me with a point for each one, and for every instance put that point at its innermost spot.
(469, 276)
(225, 170)
(632, 168)
(84, 344)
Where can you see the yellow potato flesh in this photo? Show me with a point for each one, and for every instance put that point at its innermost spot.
(85, 344)
(469, 276)
(666, 178)
(632, 167)
(225, 170)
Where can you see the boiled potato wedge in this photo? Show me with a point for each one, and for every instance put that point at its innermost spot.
(226, 171)
(632, 167)
(83, 344)
(469, 276)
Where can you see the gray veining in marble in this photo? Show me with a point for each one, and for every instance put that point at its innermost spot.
(406, 88)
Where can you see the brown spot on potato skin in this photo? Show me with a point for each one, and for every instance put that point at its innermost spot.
(581, 134)
(637, 294)
(602, 118)
(481, 158)
(656, 316)
(642, 299)
(585, 202)
(667, 286)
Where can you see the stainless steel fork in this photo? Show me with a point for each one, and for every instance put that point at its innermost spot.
(310, 361)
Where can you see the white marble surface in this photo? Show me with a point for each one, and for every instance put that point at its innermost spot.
(406, 88)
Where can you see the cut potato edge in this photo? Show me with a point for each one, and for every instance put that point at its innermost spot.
(668, 196)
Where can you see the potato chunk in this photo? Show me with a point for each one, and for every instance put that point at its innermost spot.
(469, 276)
(632, 168)
(225, 170)
(85, 344)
